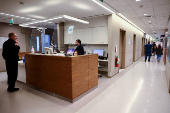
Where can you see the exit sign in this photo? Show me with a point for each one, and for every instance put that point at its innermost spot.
(101, 0)
(156, 37)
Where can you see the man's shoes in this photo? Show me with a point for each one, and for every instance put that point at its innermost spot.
(145, 60)
(12, 90)
(158, 60)
(148, 60)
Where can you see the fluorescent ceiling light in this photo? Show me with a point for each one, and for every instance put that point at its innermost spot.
(149, 21)
(100, 4)
(145, 14)
(28, 18)
(2, 13)
(6, 14)
(130, 22)
(22, 17)
(57, 18)
(49, 22)
(75, 19)
(17, 16)
(32, 19)
(138, 0)
(12, 15)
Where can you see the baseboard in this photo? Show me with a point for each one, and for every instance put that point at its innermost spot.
(112, 75)
(3, 71)
(59, 96)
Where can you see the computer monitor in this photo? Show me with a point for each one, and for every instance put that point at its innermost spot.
(69, 51)
(100, 52)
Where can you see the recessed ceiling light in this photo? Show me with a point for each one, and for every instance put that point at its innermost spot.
(28, 18)
(149, 21)
(49, 22)
(12, 15)
(138, 0)
(17, 16)
(32, 19)
(6, 14)
(145, 14)
(22, 17)
(2, 13)
(151, 26)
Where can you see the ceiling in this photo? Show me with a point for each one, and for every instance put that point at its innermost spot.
(45, 9)
(134, 11)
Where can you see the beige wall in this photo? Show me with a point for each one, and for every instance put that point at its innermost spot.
(60, 33)
(115, 23)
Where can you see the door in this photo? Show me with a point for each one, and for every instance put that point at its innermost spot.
(143, 43)
(122, 48)
(134, 48)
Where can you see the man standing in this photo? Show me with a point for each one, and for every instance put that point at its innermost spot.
(10, 54)
(148, 49)
(79, 47)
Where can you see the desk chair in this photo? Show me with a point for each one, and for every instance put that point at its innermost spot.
(99, 75)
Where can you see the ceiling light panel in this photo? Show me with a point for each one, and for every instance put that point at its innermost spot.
(103, 5)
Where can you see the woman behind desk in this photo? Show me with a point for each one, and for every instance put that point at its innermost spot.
(76, 53)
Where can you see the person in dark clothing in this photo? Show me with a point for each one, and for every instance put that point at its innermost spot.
(148, 49)
(159, 52)
(154, 48)
(10, 55)
(79, 47)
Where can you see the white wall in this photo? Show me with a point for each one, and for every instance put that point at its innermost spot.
(115, 24)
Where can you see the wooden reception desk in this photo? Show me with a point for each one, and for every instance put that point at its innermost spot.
(65, 76)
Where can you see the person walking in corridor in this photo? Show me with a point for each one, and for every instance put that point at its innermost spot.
(148, 50)
(10, 54)
(159, 52)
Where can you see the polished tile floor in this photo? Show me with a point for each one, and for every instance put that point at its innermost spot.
(141, 88)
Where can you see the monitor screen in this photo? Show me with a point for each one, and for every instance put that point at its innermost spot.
(100, 52)
(69, 51)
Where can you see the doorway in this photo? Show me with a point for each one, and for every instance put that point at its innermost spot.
(122, 49)
(134, 48)
(143, 44)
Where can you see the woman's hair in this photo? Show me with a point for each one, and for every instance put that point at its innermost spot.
(78, 53)
(159, 46)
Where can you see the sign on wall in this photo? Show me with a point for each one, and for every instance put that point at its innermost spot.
(2, 40)
(70, 30)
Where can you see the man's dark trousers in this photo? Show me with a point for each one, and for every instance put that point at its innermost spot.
(146, 55)
(12, 71)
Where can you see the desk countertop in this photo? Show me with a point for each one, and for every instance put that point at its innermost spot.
(102, 60)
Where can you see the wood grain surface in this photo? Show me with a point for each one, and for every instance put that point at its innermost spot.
(65, 76)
